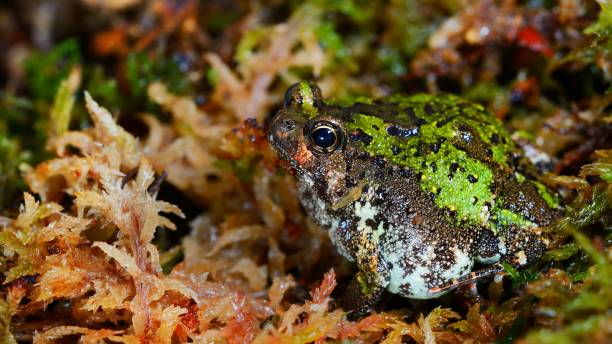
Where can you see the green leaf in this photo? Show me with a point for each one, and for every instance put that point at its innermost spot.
(562, 253)
(519, 277)
(603, 26)
(63, 103)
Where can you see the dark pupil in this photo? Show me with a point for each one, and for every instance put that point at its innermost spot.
(324, 137)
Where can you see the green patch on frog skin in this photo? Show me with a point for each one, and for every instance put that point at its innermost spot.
(506, 218)
(308, 99)
(551, 200)
(458, 110)
(459, 182)
(456, 193)
(366, 289)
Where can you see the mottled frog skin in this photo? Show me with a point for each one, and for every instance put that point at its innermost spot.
(414, 189)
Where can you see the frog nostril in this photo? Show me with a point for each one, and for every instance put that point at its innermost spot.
(287, 125)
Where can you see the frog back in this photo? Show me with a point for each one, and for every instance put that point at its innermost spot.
(461, 155)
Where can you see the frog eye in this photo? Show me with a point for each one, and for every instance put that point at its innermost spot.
(326, 137)
(304, 95)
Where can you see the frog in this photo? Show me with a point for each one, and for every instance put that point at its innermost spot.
(424, 193)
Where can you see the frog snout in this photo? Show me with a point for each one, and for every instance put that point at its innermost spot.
(286, 125)
(281, 129)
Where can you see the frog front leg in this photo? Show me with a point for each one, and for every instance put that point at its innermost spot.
(367, 286)
(364, 292)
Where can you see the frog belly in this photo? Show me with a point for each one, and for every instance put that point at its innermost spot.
(411, 277)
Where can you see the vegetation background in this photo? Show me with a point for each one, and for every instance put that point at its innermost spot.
(141, 202)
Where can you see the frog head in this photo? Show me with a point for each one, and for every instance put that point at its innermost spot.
(312, 141)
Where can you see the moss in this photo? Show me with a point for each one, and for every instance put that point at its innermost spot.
(141, 70)
(63, 104)
(562, 253)
(5, 323)
(332, 41)
(519, 277)
(12, 156)
(574, 333)
(45, 71)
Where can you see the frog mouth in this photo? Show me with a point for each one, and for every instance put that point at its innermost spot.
(279, 144)
(287, 160)
(287, 165)
(291, 163)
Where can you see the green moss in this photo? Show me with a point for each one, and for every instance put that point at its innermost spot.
(358, 11)
(104, 90)
(63, 104)
(577, 332)
(249, 42)
(45, 71)
(562, 253)
(332, 42)
(519, 277)
(142, 69)
(11, 156)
